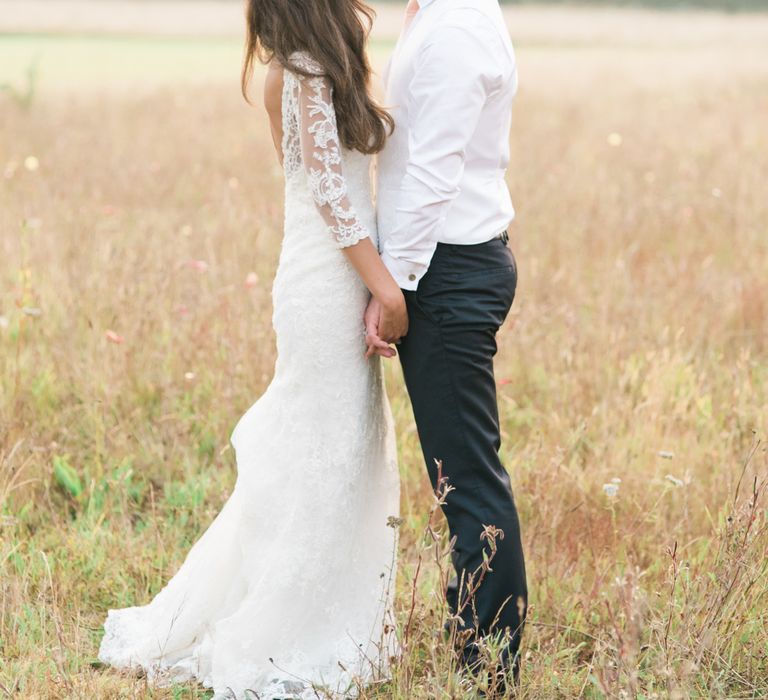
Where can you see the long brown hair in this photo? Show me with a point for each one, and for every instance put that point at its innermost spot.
(334, 33)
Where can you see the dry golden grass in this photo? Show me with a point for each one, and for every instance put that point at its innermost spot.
(132, 338)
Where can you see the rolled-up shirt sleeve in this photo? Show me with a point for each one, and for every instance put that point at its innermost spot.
(454, 74)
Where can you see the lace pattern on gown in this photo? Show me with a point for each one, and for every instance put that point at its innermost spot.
(311, 140)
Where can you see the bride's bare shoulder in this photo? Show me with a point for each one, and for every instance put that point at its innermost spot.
(273, 103)
(273, 88)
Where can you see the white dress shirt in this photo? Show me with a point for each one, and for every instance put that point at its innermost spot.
(440, 178)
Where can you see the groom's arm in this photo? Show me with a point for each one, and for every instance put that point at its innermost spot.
(454, 74)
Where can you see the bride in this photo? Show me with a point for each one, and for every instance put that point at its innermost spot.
(288, 593)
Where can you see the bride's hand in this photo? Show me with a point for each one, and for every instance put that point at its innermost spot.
(376, 346)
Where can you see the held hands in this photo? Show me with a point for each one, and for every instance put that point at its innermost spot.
(386, 318)
(386, 321)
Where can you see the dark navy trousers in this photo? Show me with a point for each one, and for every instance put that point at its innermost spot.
(447, 360)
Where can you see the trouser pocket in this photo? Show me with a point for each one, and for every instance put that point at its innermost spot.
(478, 298)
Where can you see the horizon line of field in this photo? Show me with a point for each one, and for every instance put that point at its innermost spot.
(228, 40)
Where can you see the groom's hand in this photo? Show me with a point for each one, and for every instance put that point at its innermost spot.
(393, 321)
(376, 346)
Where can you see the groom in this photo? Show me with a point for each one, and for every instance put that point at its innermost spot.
(443, 210)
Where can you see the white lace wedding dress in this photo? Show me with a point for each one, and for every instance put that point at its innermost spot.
(288, 593)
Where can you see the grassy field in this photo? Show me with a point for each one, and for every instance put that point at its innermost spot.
(140, 223)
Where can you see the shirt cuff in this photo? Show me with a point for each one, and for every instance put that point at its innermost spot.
(407, 274)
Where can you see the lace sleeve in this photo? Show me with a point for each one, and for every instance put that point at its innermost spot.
(321, 154)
